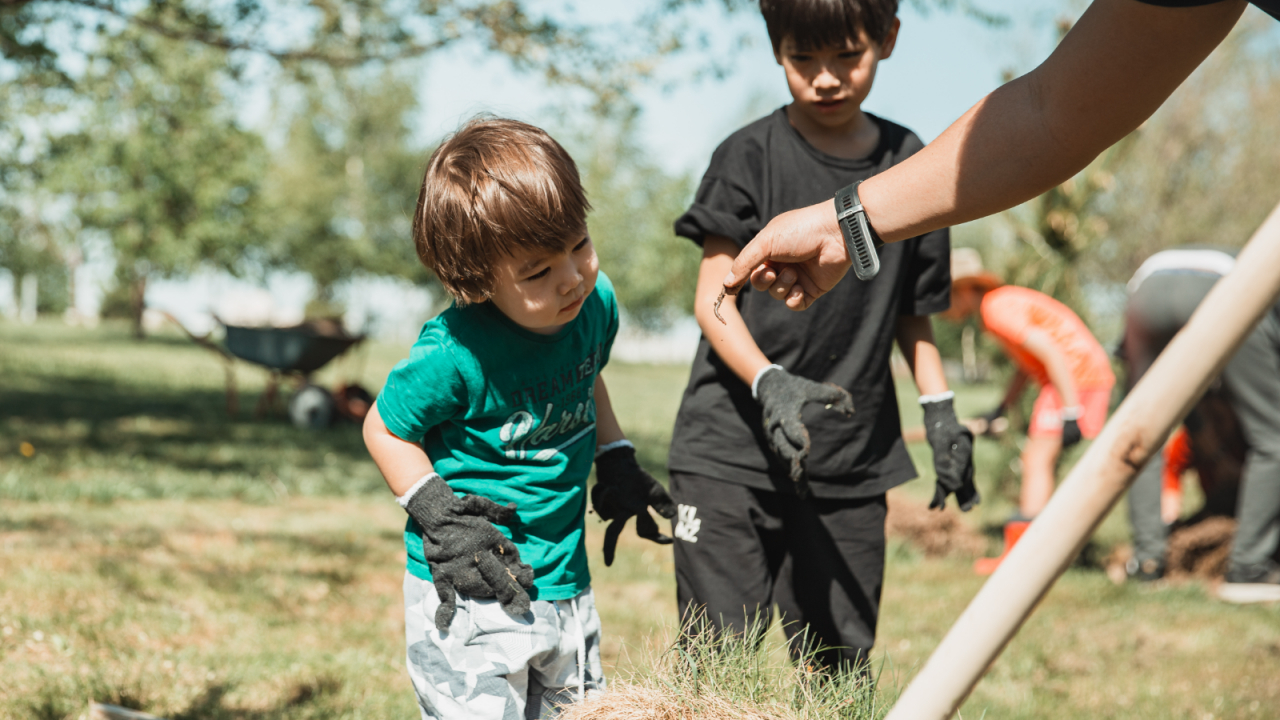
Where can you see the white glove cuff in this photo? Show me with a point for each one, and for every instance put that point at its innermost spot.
(926, 399)
(602, 449)
(1072, 413)
(405, 498)
(755, 384)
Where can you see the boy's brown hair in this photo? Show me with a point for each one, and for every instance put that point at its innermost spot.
(816, 24)
(495, 187)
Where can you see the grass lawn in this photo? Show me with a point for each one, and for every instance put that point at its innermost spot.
(155, 553)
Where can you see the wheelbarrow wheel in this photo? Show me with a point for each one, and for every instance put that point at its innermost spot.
(312, 408)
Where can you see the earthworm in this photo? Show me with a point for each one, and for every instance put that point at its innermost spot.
(723, 292)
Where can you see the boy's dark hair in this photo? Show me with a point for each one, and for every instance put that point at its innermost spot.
(495, 187)
(815, 24)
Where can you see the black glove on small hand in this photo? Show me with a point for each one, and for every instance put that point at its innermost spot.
(1070, 433)
(624, 489)
(783, 396)
(952, 445)
(465, 552)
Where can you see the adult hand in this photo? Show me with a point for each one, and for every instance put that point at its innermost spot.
(465, 552)
(796, 258)
(623, 489)
(783, 396)
(1070, 433)
(952, 445)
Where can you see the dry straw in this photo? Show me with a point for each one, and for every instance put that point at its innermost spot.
(732, 677)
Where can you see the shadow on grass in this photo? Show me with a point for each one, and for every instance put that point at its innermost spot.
(103, 438)
(312, 698)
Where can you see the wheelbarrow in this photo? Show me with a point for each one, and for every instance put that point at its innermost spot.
(296, 352)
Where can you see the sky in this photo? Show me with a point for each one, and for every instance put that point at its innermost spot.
(944, 62)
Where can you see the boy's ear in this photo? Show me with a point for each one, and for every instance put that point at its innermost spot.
(886, 47)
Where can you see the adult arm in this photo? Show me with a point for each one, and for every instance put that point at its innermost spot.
(1109, 74)
(401, 462)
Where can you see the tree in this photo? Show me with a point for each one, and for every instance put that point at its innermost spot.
(342, 187)
(634, 203)
(158, 163)
(1203, 170)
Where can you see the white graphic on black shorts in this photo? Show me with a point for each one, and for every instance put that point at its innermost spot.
(687, 523)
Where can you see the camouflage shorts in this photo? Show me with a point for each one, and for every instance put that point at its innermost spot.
(494, 665)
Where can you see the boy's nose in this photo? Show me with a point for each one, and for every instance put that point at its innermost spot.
(572, 279)
(826, 79)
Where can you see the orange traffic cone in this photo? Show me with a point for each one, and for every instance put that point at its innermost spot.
(1012, 534)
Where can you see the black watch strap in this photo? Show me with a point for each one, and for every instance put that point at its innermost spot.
(859, 238)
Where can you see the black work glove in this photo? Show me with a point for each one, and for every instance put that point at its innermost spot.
(624, 489)
(466, 553)
(1070, 433)
(783, 395)
(952, 445)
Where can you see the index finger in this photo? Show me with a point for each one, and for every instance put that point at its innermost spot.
(752, 256)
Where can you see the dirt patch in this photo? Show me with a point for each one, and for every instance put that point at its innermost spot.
(1201, 550)
(936, 534)
(1198, 550)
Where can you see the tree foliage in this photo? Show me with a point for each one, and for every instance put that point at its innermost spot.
(634, 203)
(1203, 170)
(158, 163)
(342, 187)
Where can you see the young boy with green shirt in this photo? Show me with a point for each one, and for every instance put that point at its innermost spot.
(487, 433)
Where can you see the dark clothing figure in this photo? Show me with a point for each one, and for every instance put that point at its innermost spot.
(759, 172)
(745, 539)
(1164, 294)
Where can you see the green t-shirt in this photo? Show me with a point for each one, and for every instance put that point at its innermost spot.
(509, 414)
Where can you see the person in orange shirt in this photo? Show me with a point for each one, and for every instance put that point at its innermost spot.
(1051, 346)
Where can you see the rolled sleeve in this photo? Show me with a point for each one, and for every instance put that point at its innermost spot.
(720, 208)
(926, 289)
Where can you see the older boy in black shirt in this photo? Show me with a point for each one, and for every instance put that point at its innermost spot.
(769, 511)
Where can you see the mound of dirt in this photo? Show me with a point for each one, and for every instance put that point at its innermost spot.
(1201, 550)
(936, 534)
(1197, 550)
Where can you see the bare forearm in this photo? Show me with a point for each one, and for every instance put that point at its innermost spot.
(915, 339)
(1055, 364)
(730, 339)
(401, 462)
(1110, 73)
(607, 427)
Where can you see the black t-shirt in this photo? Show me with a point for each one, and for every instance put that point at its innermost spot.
(1270, 7)
(761, 171)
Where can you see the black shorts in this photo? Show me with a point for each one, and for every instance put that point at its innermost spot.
(739, 551)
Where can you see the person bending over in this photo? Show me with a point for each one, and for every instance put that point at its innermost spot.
(1051, 346)
(487, 433)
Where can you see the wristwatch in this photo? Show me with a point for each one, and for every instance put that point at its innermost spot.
(859, 238)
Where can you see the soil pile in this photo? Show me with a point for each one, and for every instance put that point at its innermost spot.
(1201, 549)
(936, 534)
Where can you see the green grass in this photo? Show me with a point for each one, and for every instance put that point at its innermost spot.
(156, 553)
